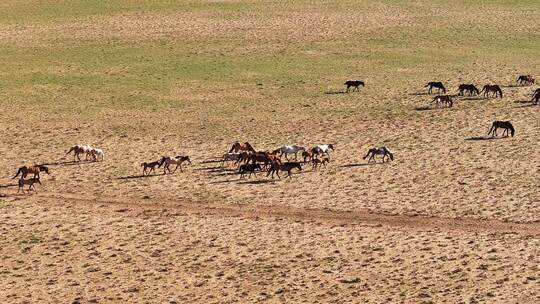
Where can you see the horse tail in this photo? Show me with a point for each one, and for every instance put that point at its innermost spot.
(443, 88)
(72, 148)
(18, 171)
(492, 128)
(369, 152)
(391, 155)
(500, 92)
(512, 130)
(427, 85)
(482, 90)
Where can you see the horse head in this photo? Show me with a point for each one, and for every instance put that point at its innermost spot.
(331, 146)
(44, 169)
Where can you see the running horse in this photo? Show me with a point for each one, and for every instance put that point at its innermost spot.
(470, 88)
(35, 169)
(287, 167)
(290, 149)
(379, 151)
(506, 125)
(355, 84)
(238, 147)
(525, 79)
(322, 150)
(495, 89)
(435, 84)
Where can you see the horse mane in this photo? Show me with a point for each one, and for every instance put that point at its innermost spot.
(249, 147)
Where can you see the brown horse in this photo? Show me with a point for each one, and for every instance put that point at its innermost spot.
(443, 99)
(35, 169)
(238, 147)
(525, 79)
(263, 157)
(435, 84)
(492, 88)
(318, 162)
(167, 161)
(470, 88)
(506, 125)
(30, 181)
(151, 167)
(288, 166)
(77, 151)
(536, 96)
(307, 155)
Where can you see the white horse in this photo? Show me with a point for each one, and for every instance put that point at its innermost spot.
(291, 149)
(233, 156)
(322, 149)
(98, 154)
(379, 151)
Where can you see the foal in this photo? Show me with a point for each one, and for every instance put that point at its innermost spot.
(151, 166)
(30, 181)
(355, 84)
(506, 125)
(318, 162)
(443, 99)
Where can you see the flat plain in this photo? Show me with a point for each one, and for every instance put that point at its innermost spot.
(455, 218)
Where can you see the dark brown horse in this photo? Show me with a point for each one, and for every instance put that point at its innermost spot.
(150, 167)
(506, 125)
(245, 168)
(263, 157)
(355, 84)
(525, 79)
(495, 89)
(35, 169)
(288, 166)
(238, 147)
(470, 88)
(435, 84)
(536, 96)
(30, 181)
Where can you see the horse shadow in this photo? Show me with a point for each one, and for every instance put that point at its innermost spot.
(420, 93)
(256, 182)
(356, 165)
(69, 163)
(482, 138)
(511, 86)
(526, 106)
(473, 98)
(335, 92)
(426, 108)
(139, 176)
(9, 185)
(211, 161)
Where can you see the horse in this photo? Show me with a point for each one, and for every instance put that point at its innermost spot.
(471, 88)
(77, 150)
(379, 151)
(355, 84)
(536, 96)
(318, 162)
(30, 181)
(151, 166)
(307, 155)
(506, 125)
(263, 157)
(527, 79)
(435, 84)
(248, 168)
(290, 149)
(35, 169)
(229, 157)
(243, 157)
(97, 154)
(443, 99)
(288, 166)
(238, 147)
(492, 88)
(166, 161)
(322, 149)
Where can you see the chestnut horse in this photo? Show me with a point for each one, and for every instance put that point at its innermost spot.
(525, 79)
(238, 147)
(35, 169)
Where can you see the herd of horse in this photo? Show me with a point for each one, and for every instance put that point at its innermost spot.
(249, 160)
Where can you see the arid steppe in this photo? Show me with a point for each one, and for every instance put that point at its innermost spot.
(455, 218)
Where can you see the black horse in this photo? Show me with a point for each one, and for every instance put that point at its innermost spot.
(435, 84)
(470, 88)
(506, 125)
(536, 96)
(355, 84)
(245, 168)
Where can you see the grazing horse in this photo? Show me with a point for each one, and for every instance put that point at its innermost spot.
(238, 147)
(355, 84)
(379, 151)
(30, 181)
(318, 162)
(248, 168)
(35, 169)
(288, 166)
(322, 149)
(506, 125)
(435, 84)
(77, 150)
(96, 154)
(443, 99)
(290, 149)
(166, 161)
(470, 88)
(151, 167)
(525, 79)
(492, 88)
(536, 96)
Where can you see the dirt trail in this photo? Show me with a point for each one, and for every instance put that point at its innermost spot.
(323, 216)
